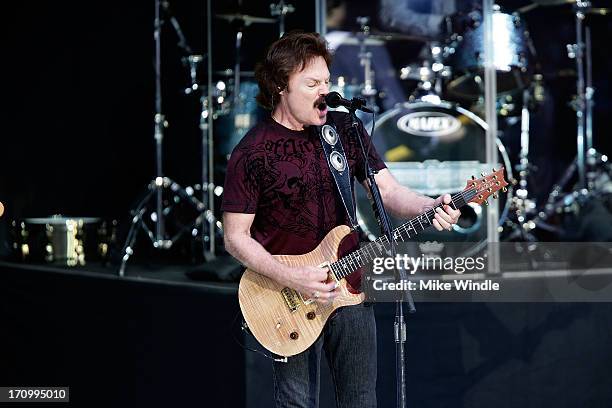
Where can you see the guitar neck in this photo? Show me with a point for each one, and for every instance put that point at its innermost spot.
(381, 246)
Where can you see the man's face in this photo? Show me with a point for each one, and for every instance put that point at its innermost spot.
(304, 98)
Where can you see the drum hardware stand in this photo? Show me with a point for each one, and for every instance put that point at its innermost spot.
(587, 158)
(365, 60)
(431, 85)
(160, 183)
(192, 61)
(440, 71)
(281, 10)
(141, 209)
(522, 206)
(588, 162)
(209, 222)
(237, 45)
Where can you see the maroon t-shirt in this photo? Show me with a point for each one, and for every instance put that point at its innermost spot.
(282, 177)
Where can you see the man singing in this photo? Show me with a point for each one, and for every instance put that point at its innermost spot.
(280, 198)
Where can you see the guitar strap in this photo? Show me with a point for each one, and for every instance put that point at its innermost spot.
(339, 168)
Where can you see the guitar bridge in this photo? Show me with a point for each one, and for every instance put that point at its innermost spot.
(291, 299)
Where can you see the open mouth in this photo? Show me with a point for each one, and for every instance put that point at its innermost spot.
(321, 107)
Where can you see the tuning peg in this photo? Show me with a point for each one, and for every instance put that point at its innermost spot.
(483, 174)
(495, 196)
(486, 202)
(494, 170)
(504, 189)
(473, 178)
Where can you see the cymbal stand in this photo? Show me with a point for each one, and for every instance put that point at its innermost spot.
(587, 158)
(369, 90)
(522, 206)
(580, 102)
(208, 223)
(237, 46)
(281, 10)
(160, 183)
(591, 153)
(588, 163)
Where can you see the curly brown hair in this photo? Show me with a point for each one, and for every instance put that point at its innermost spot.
(285, 56)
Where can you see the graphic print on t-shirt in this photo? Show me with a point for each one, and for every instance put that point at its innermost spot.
(295, 191)
(282, 177)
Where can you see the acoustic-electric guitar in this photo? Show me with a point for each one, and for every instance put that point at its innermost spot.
(287, 322)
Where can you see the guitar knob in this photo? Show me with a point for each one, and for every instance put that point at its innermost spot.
(310, 315)
(294, 335)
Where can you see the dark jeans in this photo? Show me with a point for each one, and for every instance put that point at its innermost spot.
(349, 342)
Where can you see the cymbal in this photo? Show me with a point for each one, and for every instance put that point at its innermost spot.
(553, 2)
(587, 10)
(245, 18)
(387, 36)
(230, 73)
(353, 40)
(599, 11)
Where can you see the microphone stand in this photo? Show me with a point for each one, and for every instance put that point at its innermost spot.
(399, 325)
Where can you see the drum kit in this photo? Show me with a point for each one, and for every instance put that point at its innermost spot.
(228, 104)
(432, 142)
(167, 211)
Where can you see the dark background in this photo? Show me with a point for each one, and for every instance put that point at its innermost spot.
(78, 96)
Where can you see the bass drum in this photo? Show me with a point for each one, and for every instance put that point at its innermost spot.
(435, 149)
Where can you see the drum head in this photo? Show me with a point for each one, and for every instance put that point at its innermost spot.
(434, 149)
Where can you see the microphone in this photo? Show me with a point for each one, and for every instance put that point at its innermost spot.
(334, 100)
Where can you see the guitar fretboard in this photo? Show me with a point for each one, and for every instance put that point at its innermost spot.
(381, 246)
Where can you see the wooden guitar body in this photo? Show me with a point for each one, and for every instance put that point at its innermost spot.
(282, 320)
(287, 323)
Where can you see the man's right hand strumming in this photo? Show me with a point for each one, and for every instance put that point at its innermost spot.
(311, 282)
(308, 280)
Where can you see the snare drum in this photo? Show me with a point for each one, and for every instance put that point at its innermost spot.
(434, 149)
(62, 240)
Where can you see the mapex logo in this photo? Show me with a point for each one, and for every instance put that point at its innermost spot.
(433, 124)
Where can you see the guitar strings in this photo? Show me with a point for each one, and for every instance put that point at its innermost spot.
(355, 257)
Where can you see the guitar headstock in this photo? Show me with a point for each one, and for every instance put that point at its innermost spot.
(488, 185)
